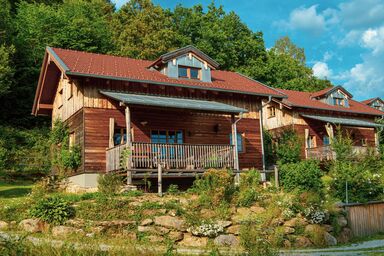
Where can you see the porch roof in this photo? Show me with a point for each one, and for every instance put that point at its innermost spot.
(343, 121)
(169, 102)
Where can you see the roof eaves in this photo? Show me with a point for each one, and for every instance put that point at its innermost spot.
(337, 110)
(71, 73)
(57, 58)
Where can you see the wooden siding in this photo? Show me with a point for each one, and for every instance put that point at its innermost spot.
(198, 128)
(93, 99)
(76, 126)
(69, 101)
(366, 219)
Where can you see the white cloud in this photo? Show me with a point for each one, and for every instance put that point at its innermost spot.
(327, 56)
(321, 70)
(305, 19)
(374, 39)
(360, 14)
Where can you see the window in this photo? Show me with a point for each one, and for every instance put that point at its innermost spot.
(69, 90)
(326, 141)
(119, 136)
(271, 112)
(240, 142)
(170, 137)
(189, 72)
(311, 141)
(60, 98)
(338, 102)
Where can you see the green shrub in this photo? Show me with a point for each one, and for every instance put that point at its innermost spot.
(214, 187)
(301, 176)
(53, 210)
(288, 149)
(249, 188)
(109, 184)
(173, 189)
(254, 239)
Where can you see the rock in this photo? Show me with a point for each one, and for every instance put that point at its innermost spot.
(91, 235)
(224, 223)
(311, 228)
(127, 188)
(162, 211)
(33, 225)
(171, 222)
(289, 230)
(146, 229)
(146, 222)
(115, 223)
(257, 209)
(242, 214)
(227, 240)
(64, 231)
(342, 221)
(193, 241)
(98, 229)
(329, 239)
(3, 225)
(161, 230)
(207, 213)
(328, 228)
(155, 239)
(277, 222)
(153, 230)
(302, 241)
(344, 236)
(298, 221)
(172, 213)
(235, 229)
(287, 244)
(176, 236)
(78, 223)
(13, 223)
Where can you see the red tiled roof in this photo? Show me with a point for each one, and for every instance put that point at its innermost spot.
(114, 67)
(305, 100)
(321, 92)
(369, 101)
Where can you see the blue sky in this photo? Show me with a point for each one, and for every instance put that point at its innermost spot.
(343, 40)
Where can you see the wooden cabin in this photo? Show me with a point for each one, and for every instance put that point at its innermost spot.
(179, 111)
(315, 117)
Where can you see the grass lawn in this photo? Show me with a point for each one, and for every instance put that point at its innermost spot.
(16, 189)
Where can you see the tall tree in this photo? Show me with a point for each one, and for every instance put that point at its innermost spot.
(143, 30)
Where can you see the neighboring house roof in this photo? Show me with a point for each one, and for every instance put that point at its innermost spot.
(329, 90)
(86, 64)
(369, 101)
(184, 50)
(306, 100)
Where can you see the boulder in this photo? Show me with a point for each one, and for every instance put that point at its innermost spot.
(289, 230)
(155, 239)
(172, 213)
(146, 229)
(224, 223)
(77, 223)
(342, 221)
(257, 209)
(329, 239)
(146, 222)
(3, 225)
(344, 236)
(170, 222)
(302, 242)
(176, 236)
(311, 228)
(298, 221)
(227, 240)
(63, 231)
(153, 230)
(33, 225)
(328, 228)
(235, 229)
(193, 241)
(207, 213)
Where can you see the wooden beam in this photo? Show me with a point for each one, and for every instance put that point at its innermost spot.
(45, 106)
(234, 143)
(128, 144)
(159, 180)
(111, 132)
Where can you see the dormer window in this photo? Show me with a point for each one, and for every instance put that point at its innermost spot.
(189, 72)
(339, 102)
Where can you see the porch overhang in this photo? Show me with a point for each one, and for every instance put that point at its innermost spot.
(170, 102)
(343, 121)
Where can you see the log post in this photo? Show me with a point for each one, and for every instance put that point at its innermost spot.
(128, 144)
(235, 152)
(276, 176)
(159, 180)
(111, 132)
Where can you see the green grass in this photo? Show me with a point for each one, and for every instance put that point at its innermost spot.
(15, 189)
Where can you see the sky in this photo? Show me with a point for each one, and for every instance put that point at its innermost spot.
(343, 40)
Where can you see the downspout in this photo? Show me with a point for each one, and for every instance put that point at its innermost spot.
(234, 138)
(263, 175)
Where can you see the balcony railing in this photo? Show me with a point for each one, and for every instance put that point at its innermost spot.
(326, 152)
(171, 156)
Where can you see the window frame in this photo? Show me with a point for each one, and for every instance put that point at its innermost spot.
(271, 112)
(242, 142)
(167, 136)
(188, 69)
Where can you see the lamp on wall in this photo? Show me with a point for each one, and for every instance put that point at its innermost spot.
(144, 123)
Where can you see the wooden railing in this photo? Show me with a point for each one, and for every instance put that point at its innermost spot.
(172, 156)
(326, 152)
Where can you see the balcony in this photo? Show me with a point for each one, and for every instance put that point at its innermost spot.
(171, 156)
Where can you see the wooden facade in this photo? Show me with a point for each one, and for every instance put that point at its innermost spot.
(88, 113)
